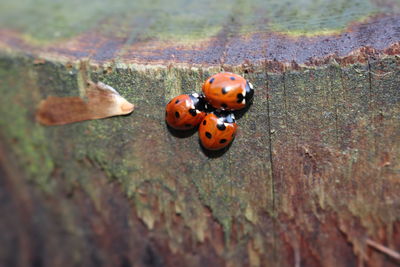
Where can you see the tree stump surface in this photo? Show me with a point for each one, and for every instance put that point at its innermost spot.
(312, 178)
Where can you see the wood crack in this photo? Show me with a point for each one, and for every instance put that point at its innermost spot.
(285, 97)
(271, 161)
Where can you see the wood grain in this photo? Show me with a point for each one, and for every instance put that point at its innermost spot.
(312, 175)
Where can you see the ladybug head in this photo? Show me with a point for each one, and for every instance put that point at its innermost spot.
(199, 101)
(225, 116)
(249, 92)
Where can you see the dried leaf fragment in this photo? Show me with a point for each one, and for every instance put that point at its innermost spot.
(101, 101)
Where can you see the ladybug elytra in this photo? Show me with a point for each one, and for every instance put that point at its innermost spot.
(228, 91)
(185, 112)
(217, 130)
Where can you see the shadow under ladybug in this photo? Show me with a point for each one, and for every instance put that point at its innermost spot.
(181, 133)
(214, 153)
(240, 113)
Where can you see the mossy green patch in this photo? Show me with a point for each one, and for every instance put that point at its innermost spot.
(318, 125)
(180, 20)
(19, 95)
(307, 17)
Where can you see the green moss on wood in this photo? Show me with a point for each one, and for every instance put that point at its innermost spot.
(18, 127)
(331, 130)
(180, 20)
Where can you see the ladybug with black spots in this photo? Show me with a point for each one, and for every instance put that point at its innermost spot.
(228, 91)
(217, 130)
(185, 112)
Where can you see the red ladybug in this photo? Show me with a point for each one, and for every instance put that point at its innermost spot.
(217, 130)
(228, 91)
(184, 112)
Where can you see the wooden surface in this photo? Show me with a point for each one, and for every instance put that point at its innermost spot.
(311, 179)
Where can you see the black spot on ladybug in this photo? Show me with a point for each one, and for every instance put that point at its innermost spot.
(192, 112)
(211, 80)
(208, 135)
(224, 105)
(177, 114)
(240, 98)
(221, 127)
(232, 78)
(177, 101)
(204, 122)
(224, 91)
(188, 125)
(222, 141)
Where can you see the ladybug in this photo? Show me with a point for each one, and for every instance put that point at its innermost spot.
(228, 91)
(217, 130)
(185, 112)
